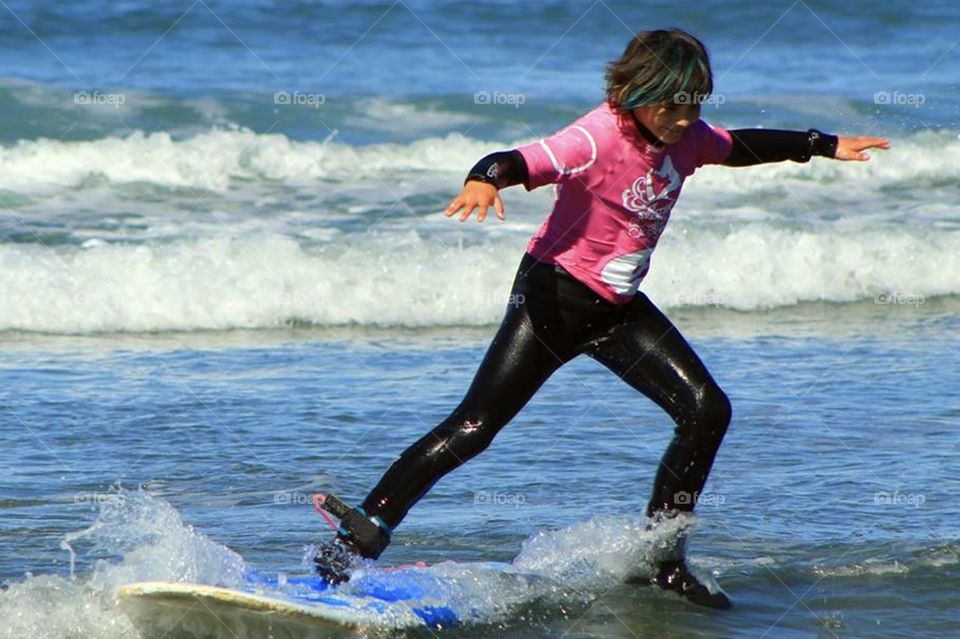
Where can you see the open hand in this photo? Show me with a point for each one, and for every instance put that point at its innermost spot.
(476, 194)
(850, 148)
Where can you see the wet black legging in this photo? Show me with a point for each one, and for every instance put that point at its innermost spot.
(552, 319)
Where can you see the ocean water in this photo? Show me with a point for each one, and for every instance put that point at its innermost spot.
(226, 283)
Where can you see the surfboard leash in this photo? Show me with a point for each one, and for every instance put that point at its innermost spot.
(318, 500)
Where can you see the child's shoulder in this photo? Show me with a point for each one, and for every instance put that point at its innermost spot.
(602, 122)
(702, 143)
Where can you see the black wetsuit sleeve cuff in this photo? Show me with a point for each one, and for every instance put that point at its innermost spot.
(501, 169)
(758, 146)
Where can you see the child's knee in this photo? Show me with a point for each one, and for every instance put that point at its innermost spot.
(710, 415)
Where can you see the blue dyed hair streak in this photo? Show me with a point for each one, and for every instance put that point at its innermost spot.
(657, 67)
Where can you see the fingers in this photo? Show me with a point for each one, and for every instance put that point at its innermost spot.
(851, 148)
(870, 143)
(852, 154)
(469, 204)
(482, 215)
(476, 194)
(497, 206)
(467, 211)
(455, 206)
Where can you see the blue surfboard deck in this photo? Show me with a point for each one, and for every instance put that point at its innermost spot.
(406, 597)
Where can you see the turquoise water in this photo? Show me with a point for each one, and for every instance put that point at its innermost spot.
(215, 302)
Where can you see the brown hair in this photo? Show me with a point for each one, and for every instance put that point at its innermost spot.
(666, 65)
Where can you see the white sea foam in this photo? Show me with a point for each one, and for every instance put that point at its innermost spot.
(745, 239)
(564, 568)
(414, 280)
(139, 537)
(231, 156)
(932, 557)
(152, 543)
(211, 160)
(757, 266)
(603, 551)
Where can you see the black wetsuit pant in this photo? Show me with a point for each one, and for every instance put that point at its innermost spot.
(552, 319)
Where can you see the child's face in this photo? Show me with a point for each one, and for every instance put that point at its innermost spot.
(668, 121)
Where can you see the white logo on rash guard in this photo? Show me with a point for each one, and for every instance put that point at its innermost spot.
(642, 196)
(649, 198)
(652, 207)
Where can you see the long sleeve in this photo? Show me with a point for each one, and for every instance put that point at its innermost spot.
(758, 146)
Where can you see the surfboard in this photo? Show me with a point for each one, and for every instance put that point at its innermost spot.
(406, 597)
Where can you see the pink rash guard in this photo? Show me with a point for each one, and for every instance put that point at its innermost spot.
(614, 195)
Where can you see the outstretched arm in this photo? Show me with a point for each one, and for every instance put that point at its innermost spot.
(757, 146)
(482, 186)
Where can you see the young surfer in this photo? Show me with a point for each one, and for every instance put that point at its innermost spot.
(618, 171)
